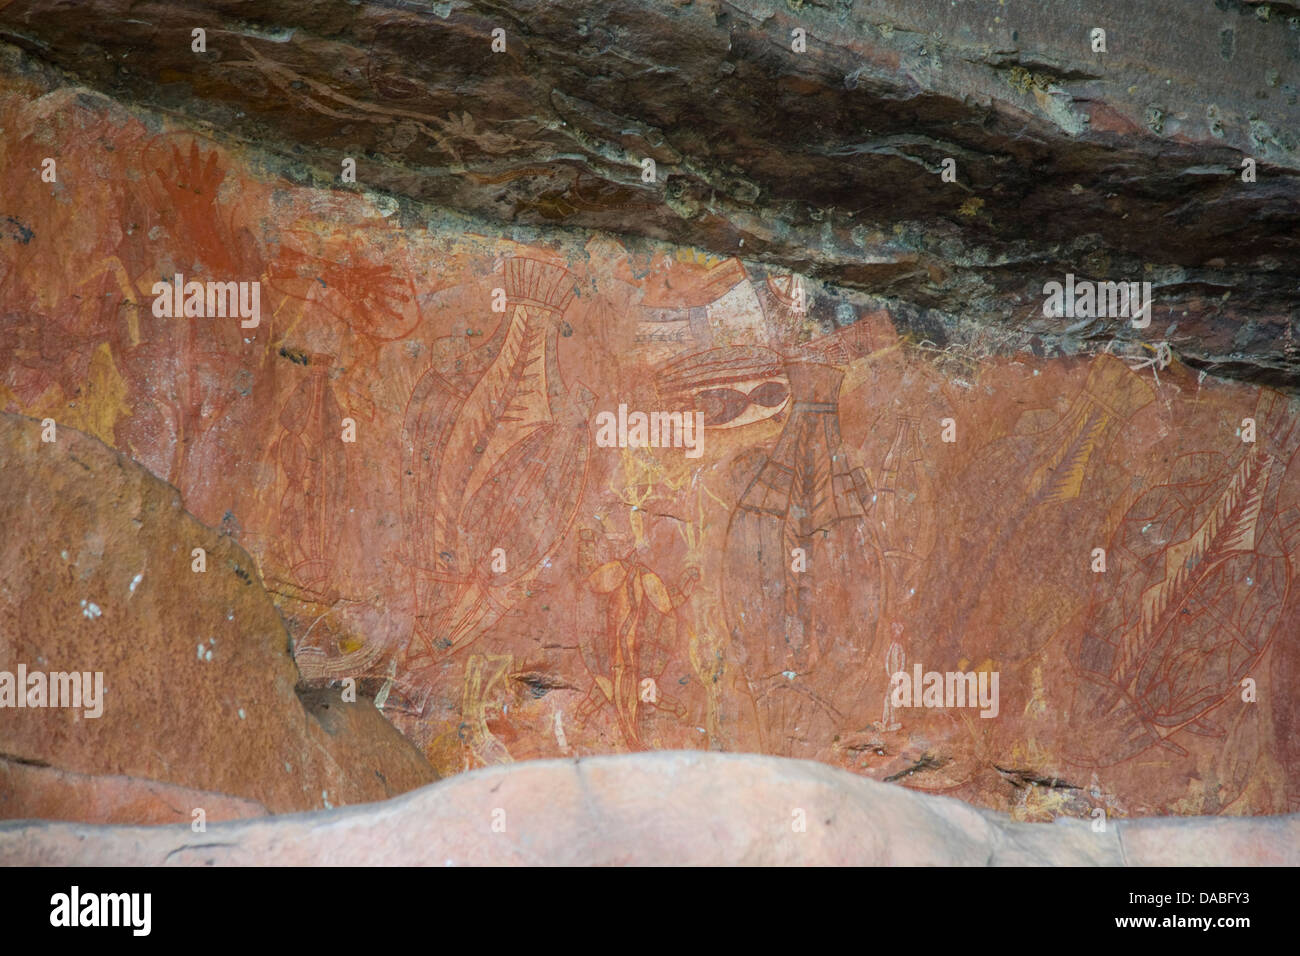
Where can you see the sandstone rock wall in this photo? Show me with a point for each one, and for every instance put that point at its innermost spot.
(197, 705)
(424, 444)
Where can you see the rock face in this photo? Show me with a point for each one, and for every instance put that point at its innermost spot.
(560, 489)
(194, 705)
(33, 791)
(1112, 157)
(661, 810)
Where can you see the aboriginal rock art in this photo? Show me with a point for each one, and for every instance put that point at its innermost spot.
(732, 385)
(642, 634)
(578, 192)
(895, 662)
(317, 488)
(803, 570)
(1200, 583)
(904, 523)
(673, 326)
(1021, 497)
(496, 466)
(183, 184)
(372, 297)
(798, 541)
(689, 305)
(486, 677)
(784, 302)
(507, 591)
(268, 79)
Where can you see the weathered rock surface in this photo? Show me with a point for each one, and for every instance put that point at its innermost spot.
(30, 791)
(199, 708)
(411, 443)
(1121, 165)
(658, 810)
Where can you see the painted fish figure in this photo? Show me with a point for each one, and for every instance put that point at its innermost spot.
(1201, 579)
(494, 474)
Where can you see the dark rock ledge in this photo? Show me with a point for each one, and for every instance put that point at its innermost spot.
(1122, 165)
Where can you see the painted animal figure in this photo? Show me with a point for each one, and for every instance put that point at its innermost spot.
(642, 632)
(494, 473)
(1202, 579)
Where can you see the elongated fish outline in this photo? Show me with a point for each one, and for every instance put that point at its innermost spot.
(1204, 567)
(500, 464)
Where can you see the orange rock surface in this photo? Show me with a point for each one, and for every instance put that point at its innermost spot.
(506, 588)
(192, 701)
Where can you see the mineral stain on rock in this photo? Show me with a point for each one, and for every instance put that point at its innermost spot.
(12, 228)
(1227, 43)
